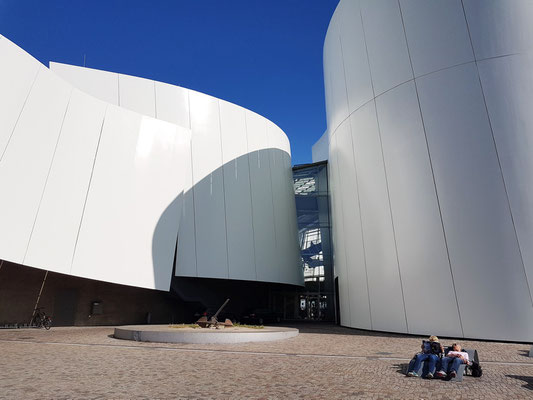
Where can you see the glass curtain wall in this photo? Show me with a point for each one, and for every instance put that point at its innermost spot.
(316, 301)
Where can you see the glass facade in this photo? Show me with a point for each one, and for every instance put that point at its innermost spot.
(316, 301)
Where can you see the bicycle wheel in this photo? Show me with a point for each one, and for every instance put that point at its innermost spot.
(36, 321)
(47, 323)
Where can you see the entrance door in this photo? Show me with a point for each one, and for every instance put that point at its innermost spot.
(65, 303)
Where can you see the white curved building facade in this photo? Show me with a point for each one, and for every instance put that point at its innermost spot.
(77, 176)
(430, 137)
(100, 182)
(239, 216)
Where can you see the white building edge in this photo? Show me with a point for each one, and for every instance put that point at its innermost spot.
(430, 135)
(101, 173)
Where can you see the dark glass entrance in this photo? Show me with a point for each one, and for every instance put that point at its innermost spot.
(316, 301)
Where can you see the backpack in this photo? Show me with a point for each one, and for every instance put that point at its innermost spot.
(475, 369)
(435, 348)
(431, 347)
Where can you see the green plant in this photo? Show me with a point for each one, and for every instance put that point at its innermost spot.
(238, 325)
(180, 326)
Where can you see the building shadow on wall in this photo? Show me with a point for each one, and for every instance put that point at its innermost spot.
(165, 239)
(239, 177)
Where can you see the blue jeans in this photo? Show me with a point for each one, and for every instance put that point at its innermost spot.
(431, 359)
(454, 361)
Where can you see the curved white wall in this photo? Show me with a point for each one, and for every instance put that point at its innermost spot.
(239, 215)
(320, 149)
(87, 188)
(430, 142)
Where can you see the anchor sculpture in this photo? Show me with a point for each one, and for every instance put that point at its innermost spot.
(213, 321)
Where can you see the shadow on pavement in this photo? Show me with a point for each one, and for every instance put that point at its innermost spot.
(527, 379)
(402, 368)
(332, 329)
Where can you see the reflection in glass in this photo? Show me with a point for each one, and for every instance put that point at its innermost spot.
(316, 299)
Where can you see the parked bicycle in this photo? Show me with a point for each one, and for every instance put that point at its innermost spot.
(41, 320)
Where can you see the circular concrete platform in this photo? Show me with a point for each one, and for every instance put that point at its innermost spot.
(169, 334)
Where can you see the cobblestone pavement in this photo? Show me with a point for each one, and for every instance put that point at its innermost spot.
(323, 362)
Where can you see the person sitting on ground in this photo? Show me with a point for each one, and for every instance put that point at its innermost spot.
(452, 361)
(430, 351)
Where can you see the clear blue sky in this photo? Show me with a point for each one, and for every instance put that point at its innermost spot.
(265, 55)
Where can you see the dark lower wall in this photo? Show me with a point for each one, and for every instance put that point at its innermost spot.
(205, 294)
(69, 299)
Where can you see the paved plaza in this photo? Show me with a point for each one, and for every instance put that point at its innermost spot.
(323, 362)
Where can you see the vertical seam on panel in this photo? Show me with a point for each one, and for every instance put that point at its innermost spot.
(296, 232)
(271, 193)
(47, 175)
(341, 221)
(361, 223)
(88, 190)
(118, 89)
(192, 186)
(250, 183)
(272, 163)
(497, 156)
(326, 86)
(175, 259)
(223, 187)
(330, 240)
(432, 171)
(469, 35)
(357, 188)
(155, 101)
(332, 131)
(20, 113)
(285, 194)
(338, 174)
(384, 169)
